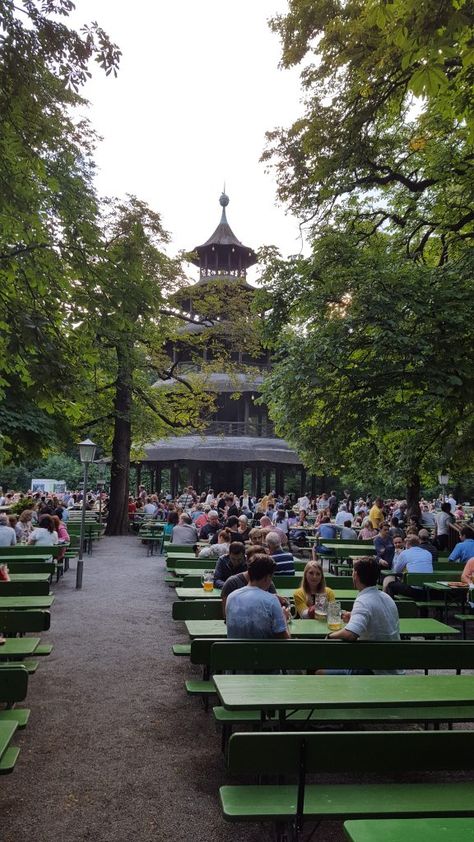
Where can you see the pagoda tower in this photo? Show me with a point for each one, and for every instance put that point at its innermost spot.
(238, 448)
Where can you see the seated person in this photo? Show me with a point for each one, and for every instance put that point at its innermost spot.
(346, 531)
(185, 532)
(465, 549)
(426, 544)
(367, 532)
(241, 579)
(229, 565)
(374, 615)
(217, 550)
(284, 561)
(243, 528)
(251, 611)
(211, 528)
(384, 548)
(232, 524)
(468, 572)
(413, 559)
(312, 586)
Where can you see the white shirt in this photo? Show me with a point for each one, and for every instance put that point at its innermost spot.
(374, 616)
(341, 518)
(452, 503)
(42, 537)
(303, 503)
(7, 536)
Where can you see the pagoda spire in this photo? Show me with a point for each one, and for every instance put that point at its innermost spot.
(223, 255)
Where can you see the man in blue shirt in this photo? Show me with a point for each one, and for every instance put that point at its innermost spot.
(252, 612)
(465, 549)
(284, 561)
(413, 559)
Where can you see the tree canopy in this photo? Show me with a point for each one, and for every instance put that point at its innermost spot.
(388, 129)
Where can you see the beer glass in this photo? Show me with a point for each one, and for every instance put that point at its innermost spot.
(207, 580)
(334, 616)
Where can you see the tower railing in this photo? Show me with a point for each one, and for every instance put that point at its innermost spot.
(254, 428)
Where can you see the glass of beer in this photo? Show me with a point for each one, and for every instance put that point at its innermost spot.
(207, 580)
(334, 616)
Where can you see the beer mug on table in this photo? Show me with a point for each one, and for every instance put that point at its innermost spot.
(207, 580)
(334, 616)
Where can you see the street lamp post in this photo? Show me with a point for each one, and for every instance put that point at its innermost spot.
(87, 450)
(443, 479)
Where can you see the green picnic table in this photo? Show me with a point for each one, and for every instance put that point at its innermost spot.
(15, 603)
(307, 692)
(19, 647)
(410, 830)
(35, 557)
(7, 730)
(29, 577)
(200, 593)
(422, 627)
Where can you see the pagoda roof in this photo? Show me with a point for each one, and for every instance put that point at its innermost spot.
(224, 236)
(202, 448)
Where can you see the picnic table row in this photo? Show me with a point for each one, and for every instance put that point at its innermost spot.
(306, 702)
(24, 609)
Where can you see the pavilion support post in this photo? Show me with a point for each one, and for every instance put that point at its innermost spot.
(157, 480)
(279, 479)
(253, 488)
(303, 481)
(258, 482)
(152, 480)
(138, 469)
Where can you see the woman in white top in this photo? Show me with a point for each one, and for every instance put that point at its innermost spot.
(45, 534)
(224, 538)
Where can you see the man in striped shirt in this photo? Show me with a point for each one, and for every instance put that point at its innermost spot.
(284, 561)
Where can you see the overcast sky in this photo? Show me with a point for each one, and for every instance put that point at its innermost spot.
(197, 89)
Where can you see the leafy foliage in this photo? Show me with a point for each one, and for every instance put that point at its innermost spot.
(388, 128)
(371, 372)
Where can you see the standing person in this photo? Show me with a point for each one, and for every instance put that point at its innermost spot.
(443, 520)
(376, 514)
(312, 586)
(374, 615)
(7, 534)
(252, 612)
(332, 504)
(343, 515)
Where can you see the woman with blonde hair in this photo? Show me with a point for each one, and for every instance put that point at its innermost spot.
(313, 585)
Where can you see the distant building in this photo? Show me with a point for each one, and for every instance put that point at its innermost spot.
(238, 449)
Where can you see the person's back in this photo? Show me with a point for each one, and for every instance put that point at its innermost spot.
(415, 560)
(348, 534)
(42, 537)
(7, 535)
(184, 533)
(381, 620)
(327, 531)
(284, 561)
(253, 613)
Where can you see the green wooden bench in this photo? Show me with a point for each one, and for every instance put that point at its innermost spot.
(410, 830)
(24, 588)
(13, 689)
(8, 754)
(32, 567)
(296, 755)
(197, 609)
(22, 622)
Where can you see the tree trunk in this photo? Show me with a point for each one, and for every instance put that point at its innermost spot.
(117, 520)
(413, 496)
